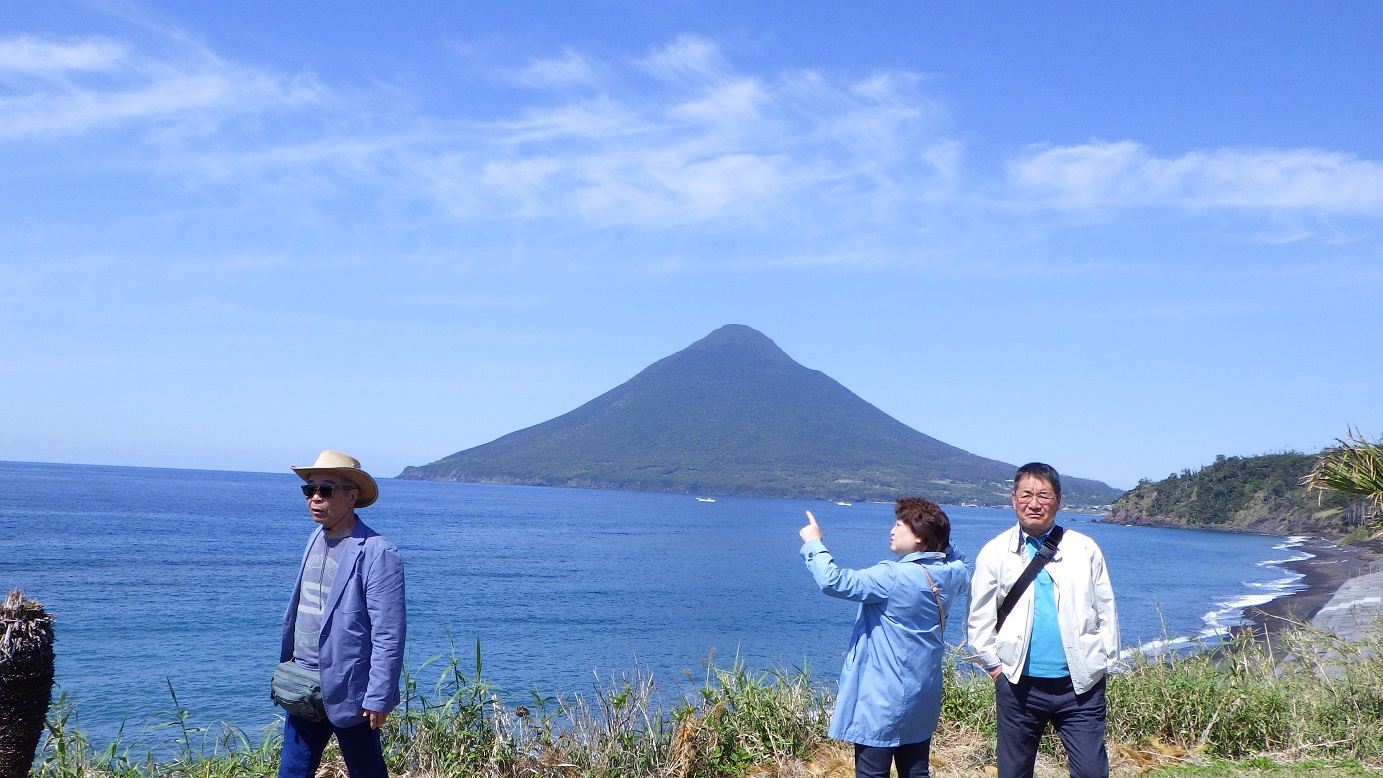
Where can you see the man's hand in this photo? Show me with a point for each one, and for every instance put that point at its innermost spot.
(376, 718)
(811, 531)
(994, 672)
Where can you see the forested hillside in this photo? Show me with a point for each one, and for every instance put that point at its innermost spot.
(1252, 494)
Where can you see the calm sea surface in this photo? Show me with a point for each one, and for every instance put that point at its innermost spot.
(180, 577)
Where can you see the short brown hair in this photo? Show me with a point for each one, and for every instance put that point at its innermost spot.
(926, 520)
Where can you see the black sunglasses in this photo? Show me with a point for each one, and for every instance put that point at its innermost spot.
(326, 490)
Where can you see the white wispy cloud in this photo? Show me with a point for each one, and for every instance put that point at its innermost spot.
(709, 146)
(689, 58)
(680, 138)
(64, 88)
(31, 56)
(570, 69)
(599, 144)
(1127, 174)
(713, 146)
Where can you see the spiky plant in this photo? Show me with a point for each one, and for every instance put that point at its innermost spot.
(1354, 467)
(26, 681)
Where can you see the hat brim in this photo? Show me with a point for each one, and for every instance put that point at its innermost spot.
(369, 490)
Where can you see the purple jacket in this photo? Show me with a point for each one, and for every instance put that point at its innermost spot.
(363, 627)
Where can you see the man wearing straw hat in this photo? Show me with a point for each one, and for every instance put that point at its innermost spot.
(345, 624)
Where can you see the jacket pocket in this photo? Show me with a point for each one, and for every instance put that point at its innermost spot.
(1092, 654)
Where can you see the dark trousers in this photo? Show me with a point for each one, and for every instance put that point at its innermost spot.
(304, 741)
(913, 759)
(1026, 707)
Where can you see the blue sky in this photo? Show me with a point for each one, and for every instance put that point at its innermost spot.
(1121, 238)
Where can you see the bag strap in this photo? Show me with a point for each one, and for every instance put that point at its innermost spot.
(936, 592)
(1039, 561)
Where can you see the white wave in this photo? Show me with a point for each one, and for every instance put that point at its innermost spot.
(1160, 649)
(1280, 585)
(1288, 544)
(1230, 613)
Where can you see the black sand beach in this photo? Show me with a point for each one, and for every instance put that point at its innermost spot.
(1328, 568)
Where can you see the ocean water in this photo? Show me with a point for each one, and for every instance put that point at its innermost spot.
(179, 578)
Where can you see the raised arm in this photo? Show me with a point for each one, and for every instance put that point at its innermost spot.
(869, 585)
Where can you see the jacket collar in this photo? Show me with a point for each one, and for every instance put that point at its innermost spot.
(352, 545)
(929, 556)
(1017, 538)
(922, 556)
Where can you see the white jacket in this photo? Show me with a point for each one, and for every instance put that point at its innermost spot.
(1084, 605)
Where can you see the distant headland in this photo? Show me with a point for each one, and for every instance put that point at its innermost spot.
(1241, 494)
(733, 414)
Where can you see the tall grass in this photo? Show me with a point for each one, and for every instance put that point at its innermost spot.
(735, 722)
(1310, 694)
(1311, 697)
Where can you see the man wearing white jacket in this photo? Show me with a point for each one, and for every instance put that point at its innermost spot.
(1050, 650)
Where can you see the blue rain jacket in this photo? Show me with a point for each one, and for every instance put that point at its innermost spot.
(890, 685)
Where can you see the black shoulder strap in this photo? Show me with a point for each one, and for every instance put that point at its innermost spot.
(1039, 561)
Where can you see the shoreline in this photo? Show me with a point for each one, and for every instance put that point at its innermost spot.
(1328, 568)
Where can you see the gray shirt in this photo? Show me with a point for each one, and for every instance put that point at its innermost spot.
(318, 575)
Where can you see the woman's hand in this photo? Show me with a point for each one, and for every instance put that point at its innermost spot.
(810, 532)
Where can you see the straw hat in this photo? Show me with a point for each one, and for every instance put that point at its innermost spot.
(347, 467)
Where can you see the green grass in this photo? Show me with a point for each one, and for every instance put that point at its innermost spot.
(1233, 711)
(458, 725)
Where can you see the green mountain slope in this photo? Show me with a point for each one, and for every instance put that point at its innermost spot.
(733, 414)
(1245, 494)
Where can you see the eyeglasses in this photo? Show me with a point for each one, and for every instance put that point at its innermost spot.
(326, 490)
(1046, 498)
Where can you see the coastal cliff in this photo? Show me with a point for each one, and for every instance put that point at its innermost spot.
(1239, 494)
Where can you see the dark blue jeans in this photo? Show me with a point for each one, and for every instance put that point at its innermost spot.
(304, 741)
(914, 760)
(1027, 707)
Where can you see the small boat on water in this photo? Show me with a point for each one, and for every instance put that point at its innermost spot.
(705, 499)
(846, 504)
